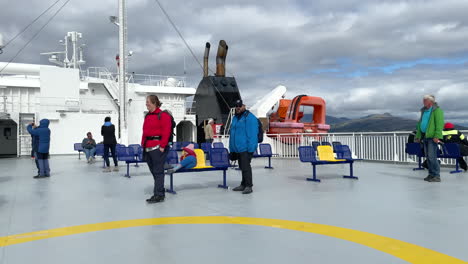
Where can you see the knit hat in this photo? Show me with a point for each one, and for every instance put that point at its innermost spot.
(190, 146)
(448, 126)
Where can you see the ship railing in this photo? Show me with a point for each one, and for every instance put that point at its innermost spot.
(143, 79)
(370, 146)
(158, 80)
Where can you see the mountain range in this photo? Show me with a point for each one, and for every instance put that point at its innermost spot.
(374, 123)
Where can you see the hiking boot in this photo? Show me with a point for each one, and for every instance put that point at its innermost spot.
(107, 169)
(116, 168)
(247, 190)
(155, 199)
(434, 179)
(239, 188)
(428, 177)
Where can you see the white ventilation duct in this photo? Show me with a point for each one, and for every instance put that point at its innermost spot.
(264, 105)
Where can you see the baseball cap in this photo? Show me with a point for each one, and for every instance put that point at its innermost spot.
(238, 103)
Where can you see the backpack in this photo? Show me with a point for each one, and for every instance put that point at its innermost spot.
(260, 131)
(173, 125)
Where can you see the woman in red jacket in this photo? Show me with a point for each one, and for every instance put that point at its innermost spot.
(156, 131)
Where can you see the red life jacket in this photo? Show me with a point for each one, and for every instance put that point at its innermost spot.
(155, 127)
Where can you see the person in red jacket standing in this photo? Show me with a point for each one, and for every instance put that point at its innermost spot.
(157, 129)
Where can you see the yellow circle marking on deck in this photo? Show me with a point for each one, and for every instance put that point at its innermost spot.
(400, 249)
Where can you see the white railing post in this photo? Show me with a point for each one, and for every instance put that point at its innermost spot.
(395, 158)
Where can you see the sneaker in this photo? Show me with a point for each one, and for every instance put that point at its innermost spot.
(116, 168)
(90, 160)
(247, 190)
(239, 188)
(428, 177)
(107, 169)
(155, 199)
(39, 176)
(434, 179)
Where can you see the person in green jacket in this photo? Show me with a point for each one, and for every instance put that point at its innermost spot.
(429, 132)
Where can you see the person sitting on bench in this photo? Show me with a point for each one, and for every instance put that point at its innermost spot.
(451, 135)
(188, 159)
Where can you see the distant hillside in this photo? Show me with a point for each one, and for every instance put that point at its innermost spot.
(375, 123)
(331, 120)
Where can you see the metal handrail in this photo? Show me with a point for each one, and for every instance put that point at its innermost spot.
(372, 146)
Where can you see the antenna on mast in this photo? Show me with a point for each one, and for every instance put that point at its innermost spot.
(61, 57)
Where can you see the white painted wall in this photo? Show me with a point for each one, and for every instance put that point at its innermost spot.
(60, 87)
(70, 128)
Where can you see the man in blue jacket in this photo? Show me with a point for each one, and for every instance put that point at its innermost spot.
(43, 132)
(243, 141)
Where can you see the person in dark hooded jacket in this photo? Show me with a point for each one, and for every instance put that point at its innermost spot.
(43, 132)
(110, 143)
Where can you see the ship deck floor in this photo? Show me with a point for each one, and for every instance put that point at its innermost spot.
(82, 215)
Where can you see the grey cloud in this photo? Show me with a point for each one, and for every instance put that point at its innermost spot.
(277, 42)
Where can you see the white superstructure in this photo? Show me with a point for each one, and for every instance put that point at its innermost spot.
(77, 102)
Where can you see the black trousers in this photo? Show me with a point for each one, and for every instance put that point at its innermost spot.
(244, 164)
(156, 160)
(464, 152)
(106, 154)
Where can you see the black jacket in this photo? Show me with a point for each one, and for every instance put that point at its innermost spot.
(108, 132)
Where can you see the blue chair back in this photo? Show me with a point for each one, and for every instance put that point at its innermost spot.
(77, 147)
(206, 147)
(218, 145)
(177, 146)
(256, 153)
(125, 154)
(343, 152)
(414, 149)
(100, 150)
(139, 153)
(307, 154)
(219, 158)
(135, 148)
(451, 150)
(335, 144)
(315, 144)
(172, 157)
(325, 143)
(265, 150)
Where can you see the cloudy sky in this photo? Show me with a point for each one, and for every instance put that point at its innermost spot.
(362, 56)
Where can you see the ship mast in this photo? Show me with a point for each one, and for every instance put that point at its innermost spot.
(122, 72)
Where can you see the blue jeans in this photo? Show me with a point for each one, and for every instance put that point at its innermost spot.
(43, 160)
(89, 152)
(431, 149)
(188, 163)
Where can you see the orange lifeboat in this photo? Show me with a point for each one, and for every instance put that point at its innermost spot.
(301, 115)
